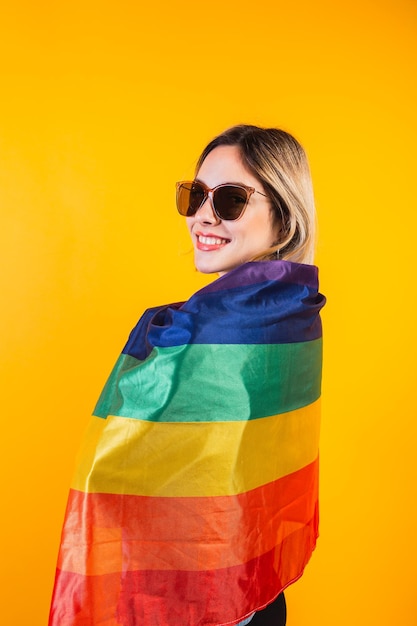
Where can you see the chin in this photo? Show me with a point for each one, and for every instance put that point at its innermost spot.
(215, 266)
(203, 269)
(220, 271)
(207, 267)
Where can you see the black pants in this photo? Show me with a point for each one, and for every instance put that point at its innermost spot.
(275, 614)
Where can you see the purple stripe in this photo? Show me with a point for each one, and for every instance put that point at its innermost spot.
(255, 271)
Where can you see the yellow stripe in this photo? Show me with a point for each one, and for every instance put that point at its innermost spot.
(129, 456)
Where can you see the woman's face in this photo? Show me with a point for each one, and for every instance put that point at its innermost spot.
(222, 245)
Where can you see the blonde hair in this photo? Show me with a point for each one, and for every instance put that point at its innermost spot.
(279, 162)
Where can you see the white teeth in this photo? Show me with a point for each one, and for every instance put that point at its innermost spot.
(211, 241)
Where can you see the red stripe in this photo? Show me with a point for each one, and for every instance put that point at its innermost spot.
(106, 533)
(196, 598)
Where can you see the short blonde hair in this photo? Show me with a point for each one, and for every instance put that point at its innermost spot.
(279, 162)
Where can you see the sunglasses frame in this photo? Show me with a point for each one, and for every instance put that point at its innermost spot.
(209, 193)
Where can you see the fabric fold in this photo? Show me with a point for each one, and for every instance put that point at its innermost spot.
(195, 498)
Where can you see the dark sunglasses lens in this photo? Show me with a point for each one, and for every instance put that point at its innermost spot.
(230, 202)
(190, 197)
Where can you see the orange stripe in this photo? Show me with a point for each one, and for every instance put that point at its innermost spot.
(106, 533)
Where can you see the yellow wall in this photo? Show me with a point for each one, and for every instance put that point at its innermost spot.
(103, 107)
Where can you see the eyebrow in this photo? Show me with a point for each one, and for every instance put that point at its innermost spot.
(229, 182)
(198, 180)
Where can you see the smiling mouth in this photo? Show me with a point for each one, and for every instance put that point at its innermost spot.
(211, 241)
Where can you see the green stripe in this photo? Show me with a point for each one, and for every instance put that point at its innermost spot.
(199, 383)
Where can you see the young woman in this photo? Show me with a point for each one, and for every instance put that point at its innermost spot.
(195, 499)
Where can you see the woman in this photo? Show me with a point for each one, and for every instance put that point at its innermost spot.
(195, 500)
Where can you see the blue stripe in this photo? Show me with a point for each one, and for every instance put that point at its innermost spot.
(266, 313)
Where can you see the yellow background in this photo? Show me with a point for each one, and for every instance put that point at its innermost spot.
(103, 107)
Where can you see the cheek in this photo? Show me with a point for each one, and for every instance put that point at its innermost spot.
(263, 231)
(272, 228)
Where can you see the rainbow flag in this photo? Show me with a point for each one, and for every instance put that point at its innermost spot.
(194, 502)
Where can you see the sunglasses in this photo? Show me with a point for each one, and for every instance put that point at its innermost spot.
(228, 201)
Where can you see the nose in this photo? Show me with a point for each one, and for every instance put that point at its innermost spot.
(206, 214)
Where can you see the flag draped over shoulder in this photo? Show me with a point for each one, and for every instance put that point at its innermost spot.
(194, 502)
